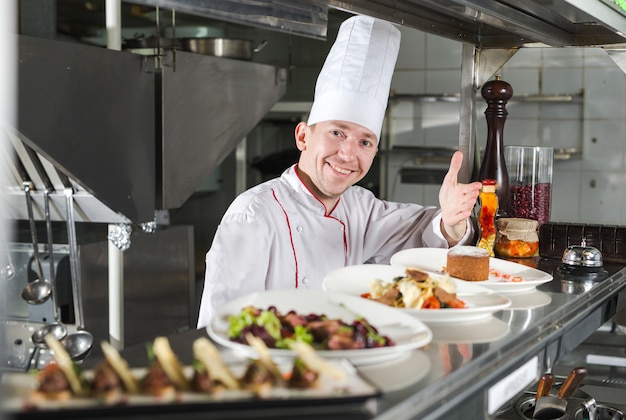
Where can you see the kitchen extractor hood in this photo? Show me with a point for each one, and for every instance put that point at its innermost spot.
(483, 23)
(131, 134)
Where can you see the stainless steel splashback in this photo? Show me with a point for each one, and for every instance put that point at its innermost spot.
(133, 133)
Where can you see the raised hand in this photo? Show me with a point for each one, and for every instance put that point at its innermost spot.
(456, 200)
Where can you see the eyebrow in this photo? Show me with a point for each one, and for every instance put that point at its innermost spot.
(365, 134)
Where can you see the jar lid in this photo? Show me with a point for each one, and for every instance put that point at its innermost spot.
(516, 223)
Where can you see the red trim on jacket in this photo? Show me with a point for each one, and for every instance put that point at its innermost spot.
(345, 240)
(293, 248)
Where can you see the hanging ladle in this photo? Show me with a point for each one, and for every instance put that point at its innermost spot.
(78, 344)
(57, 329)
(39, 290)
(7, 272)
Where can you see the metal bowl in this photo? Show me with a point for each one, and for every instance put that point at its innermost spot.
(241, 49)
(582, 256)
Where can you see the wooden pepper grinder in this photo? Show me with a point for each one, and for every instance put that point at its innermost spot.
(496, 93)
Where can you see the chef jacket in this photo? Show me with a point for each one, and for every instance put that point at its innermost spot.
(277, 235)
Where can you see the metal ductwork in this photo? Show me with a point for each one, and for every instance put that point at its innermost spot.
(132, 133)
(485, 24)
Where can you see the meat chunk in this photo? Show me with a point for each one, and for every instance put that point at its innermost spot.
(415, 274)
(52, 379)
(448, 299)
(106, 380)
(302, 377)
(322, 330)
(389, 297)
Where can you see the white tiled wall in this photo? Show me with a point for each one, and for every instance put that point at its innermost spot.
(588, 188)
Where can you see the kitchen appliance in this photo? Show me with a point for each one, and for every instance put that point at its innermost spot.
(129, 144)
(549, 406)
(580, 406)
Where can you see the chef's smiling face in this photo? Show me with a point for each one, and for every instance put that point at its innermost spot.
(335, 155)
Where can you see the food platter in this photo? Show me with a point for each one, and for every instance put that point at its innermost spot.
(15, 387)
(434, 260)
(407, 332)
(481, 302)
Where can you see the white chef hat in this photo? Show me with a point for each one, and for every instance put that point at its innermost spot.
(354, 82)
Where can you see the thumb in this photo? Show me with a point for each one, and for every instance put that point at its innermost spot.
(455, 166)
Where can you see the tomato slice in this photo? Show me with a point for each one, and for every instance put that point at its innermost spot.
(431, 303)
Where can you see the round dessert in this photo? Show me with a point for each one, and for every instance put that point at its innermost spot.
(468, 263)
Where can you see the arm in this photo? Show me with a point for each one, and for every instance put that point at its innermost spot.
(236, 264)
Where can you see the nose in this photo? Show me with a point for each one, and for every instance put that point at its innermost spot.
(347, 150)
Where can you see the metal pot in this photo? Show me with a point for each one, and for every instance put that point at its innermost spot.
(240, 49)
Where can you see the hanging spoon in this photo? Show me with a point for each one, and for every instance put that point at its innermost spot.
(78, 344)
(57, 329)
(8, 271)
(39, 290)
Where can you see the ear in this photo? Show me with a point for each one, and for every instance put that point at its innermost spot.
(301, 134)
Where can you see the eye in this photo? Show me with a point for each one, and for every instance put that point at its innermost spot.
(367, 143)
(336, 133)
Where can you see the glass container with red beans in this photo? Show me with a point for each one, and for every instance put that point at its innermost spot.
(530, 182)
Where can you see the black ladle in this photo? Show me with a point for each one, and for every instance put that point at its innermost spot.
(39, 290)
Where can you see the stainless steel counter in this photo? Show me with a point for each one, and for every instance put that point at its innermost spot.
(469, 371)
(537, 338)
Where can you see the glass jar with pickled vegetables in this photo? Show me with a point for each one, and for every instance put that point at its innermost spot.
(516, 238)
(488, 200)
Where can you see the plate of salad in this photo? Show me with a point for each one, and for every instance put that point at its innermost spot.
(337, 325)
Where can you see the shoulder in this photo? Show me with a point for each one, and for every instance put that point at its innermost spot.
(361, 197)
(256, 201)
(368, 202)
(359, 193)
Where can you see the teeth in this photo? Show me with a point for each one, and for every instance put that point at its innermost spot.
(341, 171)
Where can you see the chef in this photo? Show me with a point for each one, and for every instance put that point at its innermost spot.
(289, 232)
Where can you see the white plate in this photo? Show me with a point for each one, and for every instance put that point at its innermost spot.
(434, 260)
(407, 332)
(481, 302)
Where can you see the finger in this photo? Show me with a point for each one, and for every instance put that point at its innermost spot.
(455, 166)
